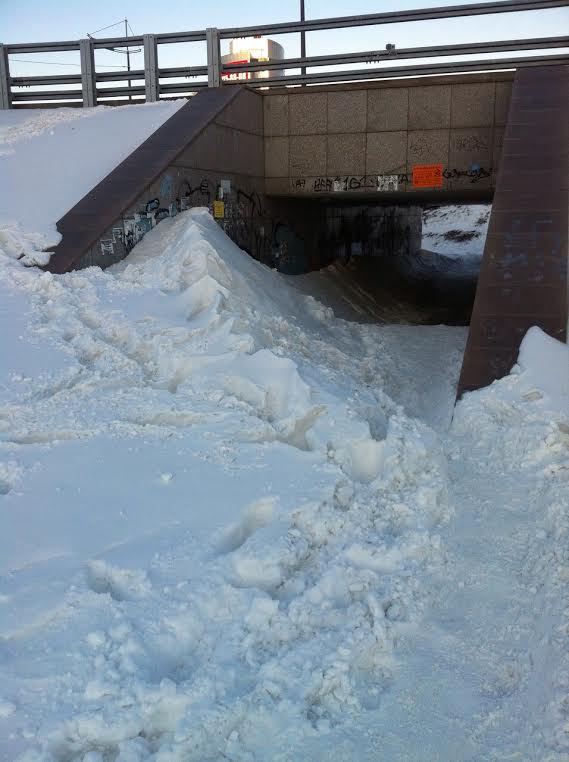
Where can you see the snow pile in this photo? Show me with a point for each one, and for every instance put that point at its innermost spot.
(233, 526)
(289, 628)
(50, 158)
(456, 230)
(510, 454)
(544, 369)
(234, 518)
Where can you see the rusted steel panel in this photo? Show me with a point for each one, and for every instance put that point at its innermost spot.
(524, 275)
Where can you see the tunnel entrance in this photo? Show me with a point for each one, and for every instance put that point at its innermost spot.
(373, 262)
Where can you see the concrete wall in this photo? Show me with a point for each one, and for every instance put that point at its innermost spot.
(226, 159)
(339, 139)
(228, 153)
(225, 145)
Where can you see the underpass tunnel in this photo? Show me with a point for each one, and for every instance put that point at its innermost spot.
(395, 263)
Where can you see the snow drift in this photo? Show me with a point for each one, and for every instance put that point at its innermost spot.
(236, 527)
(51, 158)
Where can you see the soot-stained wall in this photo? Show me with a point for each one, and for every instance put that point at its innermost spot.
(212, 153)
(373, 231)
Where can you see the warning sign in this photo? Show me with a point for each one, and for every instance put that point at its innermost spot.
(218, 210)
(427, 176)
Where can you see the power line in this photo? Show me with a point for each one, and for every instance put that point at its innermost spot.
(60, 63)
(102, 29)
(128, 51)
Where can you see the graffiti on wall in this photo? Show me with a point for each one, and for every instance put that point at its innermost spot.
(239, 211)
(471, 143)
(386, 183)
(137, 226)
(372, 231)
(200, 195)
(283, 236)
(474, 174)
(152, 212)
(243, 221)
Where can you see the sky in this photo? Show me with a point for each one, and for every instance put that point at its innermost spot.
(46, 20)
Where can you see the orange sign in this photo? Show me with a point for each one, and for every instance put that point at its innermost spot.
(427, 176)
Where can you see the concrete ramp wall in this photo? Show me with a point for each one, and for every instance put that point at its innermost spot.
(211, 147)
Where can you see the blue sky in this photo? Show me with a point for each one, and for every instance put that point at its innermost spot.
(41, 20)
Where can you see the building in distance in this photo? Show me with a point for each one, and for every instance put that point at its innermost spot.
(244, 50)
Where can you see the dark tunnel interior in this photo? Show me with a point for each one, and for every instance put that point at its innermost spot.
(371, 263)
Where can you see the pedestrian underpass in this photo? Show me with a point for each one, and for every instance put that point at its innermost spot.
(238, 527)
(426, 288)
(220, 150)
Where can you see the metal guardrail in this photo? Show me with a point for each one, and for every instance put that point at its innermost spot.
(150, 80)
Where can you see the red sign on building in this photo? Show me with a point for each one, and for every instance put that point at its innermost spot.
(238, 75)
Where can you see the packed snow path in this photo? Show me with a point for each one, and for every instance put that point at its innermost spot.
(235, 527)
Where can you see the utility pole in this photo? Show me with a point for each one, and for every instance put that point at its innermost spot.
(302, 38)
(127, 57)
(119, 50)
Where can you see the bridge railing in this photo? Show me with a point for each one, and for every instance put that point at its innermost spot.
(148, 83)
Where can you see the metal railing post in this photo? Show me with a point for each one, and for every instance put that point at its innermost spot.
(213, 57)
(88, 81)
(5, 92)
(151, 73)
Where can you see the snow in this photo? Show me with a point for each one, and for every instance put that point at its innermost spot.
(457, 231)
(193, 481)
(544, 366)
(51, 158)
(236, 526)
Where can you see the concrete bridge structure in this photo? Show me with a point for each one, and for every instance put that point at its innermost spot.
(297, 177)
(373, 138)
(281, 160)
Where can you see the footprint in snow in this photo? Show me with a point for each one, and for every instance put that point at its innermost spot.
(257, 516)
(120, 584)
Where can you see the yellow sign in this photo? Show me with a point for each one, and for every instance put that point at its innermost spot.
(218, 210)
(428, 176)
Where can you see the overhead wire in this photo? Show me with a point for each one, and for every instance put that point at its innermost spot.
(101, 66)
(102, 29)
(60, 63)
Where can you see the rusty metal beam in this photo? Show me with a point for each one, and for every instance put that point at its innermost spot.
(524, 276)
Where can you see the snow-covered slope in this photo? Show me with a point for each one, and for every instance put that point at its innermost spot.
(233, 526)
(456, 230)
(50, 158)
